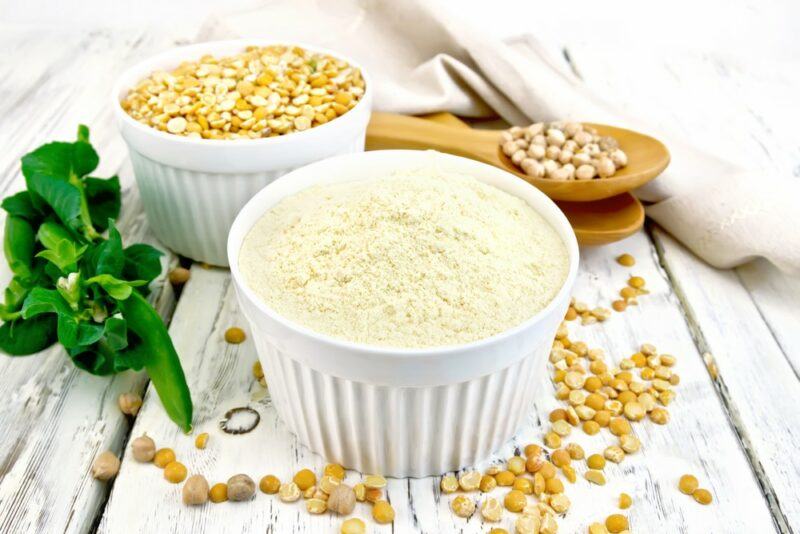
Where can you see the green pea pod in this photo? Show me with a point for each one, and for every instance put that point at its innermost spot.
(160, 359)
(18, 244)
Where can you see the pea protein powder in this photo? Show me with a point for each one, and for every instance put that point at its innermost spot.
(417, 259)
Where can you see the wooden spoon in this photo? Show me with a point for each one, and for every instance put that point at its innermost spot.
(595, 223)
(647, 156)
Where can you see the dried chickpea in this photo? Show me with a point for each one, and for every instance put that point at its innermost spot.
(554, 485)
(374, 482)
(234, 335)
(241, 488)
(625, 501)
(289, 492)
(616, 523)
(470, 480)
(614, 453)
(360, 491)
(175, 472)
(575, 451)
(373, 495)
(129, 403)
(316, 506)
(505, 478)
(688, 484)
(342, 500)
(449, 484)
(516, 465)
(619, 305)
(382, 512)
(305, 478)
(201, 440)
(636, 282)
(591, 427)
(462, 506)
(105, 466)
(269, 484)
(629, 443)
(334, 470)
(353, 525)
(488, 483)
(163, 457)
(179, 276)
(558, 414)
(597, 528)
(560, 503)
(514, 501)
(539, 483)
(258, 371)
(552, 440)
(619, 426)
(533, 463)
(143, 448)
(195, 490)
(547, 470)
(703, 496)
(218, 492)
(626, 260)
(560, 457)
(532, 450)
(596, 461)
(562, 428)
(524, 485)
(491, 510)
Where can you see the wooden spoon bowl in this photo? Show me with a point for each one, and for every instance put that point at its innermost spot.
(647, 157)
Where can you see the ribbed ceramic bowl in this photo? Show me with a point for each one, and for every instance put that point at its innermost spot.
(400, 412)
(192, 189)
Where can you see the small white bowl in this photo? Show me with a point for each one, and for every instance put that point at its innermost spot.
(192, 189)
(400, 412)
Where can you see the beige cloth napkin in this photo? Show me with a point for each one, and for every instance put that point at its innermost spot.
(424, 58)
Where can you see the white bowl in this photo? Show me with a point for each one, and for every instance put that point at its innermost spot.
(192, 189)
(400, 412)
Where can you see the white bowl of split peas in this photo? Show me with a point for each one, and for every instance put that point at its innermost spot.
(209, 125)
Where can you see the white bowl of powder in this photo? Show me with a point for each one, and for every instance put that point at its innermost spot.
(402, 304)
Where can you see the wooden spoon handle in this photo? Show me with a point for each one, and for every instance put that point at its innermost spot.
(388, 130)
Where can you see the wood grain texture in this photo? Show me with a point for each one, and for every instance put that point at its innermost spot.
(220, 377)
(745, 318)
(55, 419)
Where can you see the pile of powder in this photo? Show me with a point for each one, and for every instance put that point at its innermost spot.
(416, 259)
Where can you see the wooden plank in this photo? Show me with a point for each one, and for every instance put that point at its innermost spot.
(755, 380)
(55, 419)
(746, 318)
(698, 440)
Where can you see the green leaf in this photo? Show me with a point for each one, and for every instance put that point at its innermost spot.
(116, 288)
(15, 294)
(115, 333)
(96, 359)
(51, 233)
(63, 197)
(61, 160)
(142, 262)
(65, 255)
(74, 333)
(104, 199)
(21, 337)
(41, 300)
(54, 172)
(21, 205)
(19, 242)
(106, 257)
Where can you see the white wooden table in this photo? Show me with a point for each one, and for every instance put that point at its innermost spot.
(735, 423)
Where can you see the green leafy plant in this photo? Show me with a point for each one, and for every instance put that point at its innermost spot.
(74, 286)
